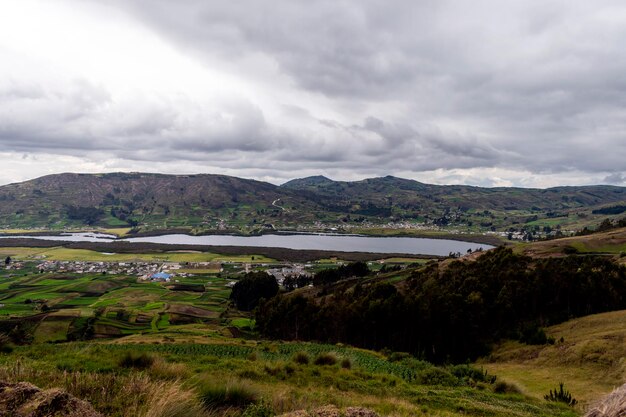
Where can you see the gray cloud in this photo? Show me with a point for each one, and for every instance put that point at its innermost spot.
(365, 87)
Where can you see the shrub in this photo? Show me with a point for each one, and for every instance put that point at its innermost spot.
(502, 387)
(346, 363)
(398, 356)
(301, 357)
(272, 370)
(325, 359)
(561, 395)
(467, 373)
(535, 335)
(136, 360)
(570, 250)
(234, 394)
(437, 376)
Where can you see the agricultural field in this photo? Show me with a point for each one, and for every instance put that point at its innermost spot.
(182, 344)
(56, 307)
(65, 254)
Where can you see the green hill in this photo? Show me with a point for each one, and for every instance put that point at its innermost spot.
(153, 200)
(217, 202)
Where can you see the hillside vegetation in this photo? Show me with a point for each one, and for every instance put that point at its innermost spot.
(588, 356)
(203, 203)
(451, 312)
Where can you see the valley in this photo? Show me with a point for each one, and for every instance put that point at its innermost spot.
(156, 292)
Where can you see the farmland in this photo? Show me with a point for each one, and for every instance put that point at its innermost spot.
(70, 306)
(79, 329)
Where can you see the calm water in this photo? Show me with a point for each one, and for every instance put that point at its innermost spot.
(345, 243)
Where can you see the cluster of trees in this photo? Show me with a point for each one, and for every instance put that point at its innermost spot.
(604, 226)
(454, 313)
(330, 276)
(253, 287)
(87, 215)
(292, 282)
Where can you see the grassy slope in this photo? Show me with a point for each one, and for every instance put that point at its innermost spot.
(591, 359)
(612, 242)
(267, 369)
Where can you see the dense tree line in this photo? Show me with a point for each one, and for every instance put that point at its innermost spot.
(454, 313)
(332, 275)
(254, 286)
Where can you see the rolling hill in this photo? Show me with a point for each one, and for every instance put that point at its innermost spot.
(152, 199)
(213, 202)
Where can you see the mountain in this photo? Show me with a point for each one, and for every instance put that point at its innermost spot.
(455, 204)
(156, 200)
(209, 202)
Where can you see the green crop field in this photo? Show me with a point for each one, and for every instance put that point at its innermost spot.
(72, 304)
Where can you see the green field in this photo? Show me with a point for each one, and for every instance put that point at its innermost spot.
(72, 305)
(65, 254)
(80, 329)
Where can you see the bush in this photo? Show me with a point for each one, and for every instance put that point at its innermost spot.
(437, 376)
(561, 395)
(136, 360)
(346, 363)
(398, 356)
(467, 373)
(502, 387)
(234, 394)
(570, 250)
(325, 359)
(535, 335)
(301, 357)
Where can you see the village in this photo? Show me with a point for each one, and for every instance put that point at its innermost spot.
(164, 271)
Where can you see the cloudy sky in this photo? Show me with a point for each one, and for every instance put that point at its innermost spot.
(520, 92)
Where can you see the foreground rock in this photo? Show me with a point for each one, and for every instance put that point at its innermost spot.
(26, 400)
(613, 405)
(332, 411)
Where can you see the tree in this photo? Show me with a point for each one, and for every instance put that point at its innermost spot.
(253, 287)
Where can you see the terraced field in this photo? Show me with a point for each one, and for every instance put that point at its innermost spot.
(54, 307)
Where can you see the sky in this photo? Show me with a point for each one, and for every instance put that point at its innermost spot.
(528, 93)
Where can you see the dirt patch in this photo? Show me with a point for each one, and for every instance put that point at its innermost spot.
(187, 310)
(26, 400)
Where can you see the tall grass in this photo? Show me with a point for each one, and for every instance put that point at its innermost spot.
(613, 405)
(215, 395)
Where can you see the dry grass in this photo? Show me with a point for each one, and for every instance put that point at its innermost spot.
(613, 405)
(168, 399)
(591, 359)
(132, 395)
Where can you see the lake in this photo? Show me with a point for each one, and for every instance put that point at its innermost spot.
(329, 242)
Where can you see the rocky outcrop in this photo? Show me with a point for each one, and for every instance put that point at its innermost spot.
(332, 411)
(613, 405)
(26, 400)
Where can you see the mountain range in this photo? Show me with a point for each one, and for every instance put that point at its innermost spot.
(210, 202)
